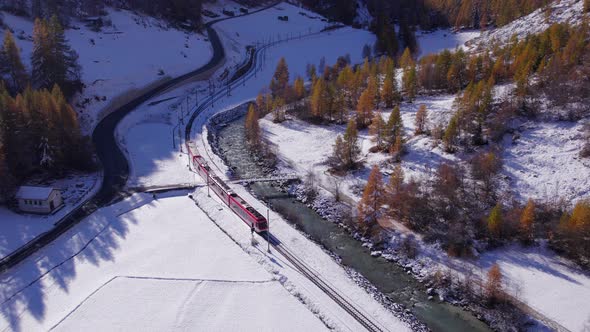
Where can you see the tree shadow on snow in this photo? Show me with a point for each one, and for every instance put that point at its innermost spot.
(94, 240)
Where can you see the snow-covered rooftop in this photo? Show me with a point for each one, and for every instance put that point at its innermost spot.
(33, 192)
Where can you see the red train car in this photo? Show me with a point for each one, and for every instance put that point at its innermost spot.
(236, 203)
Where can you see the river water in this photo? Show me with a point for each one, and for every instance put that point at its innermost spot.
(387, 277)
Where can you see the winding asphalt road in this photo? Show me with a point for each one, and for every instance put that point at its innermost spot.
(114, 162)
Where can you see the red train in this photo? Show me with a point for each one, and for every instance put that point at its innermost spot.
(236, 203)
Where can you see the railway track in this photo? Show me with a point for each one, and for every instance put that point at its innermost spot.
(247, 73)
(328, 289)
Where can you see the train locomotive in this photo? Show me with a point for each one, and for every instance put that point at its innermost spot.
(237, 204)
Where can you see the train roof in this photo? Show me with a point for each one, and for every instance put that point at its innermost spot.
(221, 183)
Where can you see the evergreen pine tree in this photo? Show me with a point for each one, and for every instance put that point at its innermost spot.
(527, 219)
(53, 60)
(14, 66)
(377, 130)
(41, 56)
(397, 149)
(396, 181)
(493, 286)
(280, 80)
(352, 147)
(364, 109)
(252, 128)
(319, 100)
(451, 134)
(410, 76)
(421, 120)
(389, 91)
(394, 126)
(299, 88)
(495, 221)
(260, 103)
(580, 217)
(370, 206)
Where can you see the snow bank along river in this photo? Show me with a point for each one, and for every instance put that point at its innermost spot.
(388, 277)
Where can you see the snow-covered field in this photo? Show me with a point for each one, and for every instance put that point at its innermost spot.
(546, 282)
(125, 275)
(18, 229)
(127, 55)
(264, 27)
(444, 39)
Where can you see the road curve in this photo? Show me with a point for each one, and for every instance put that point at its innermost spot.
(113, 160)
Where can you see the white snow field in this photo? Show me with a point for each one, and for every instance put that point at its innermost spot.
(145, 264)
(546, 282)
(263, 27)
(444, 39)
(18, 229)
(122, 57)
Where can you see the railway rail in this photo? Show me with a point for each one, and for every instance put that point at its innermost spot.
(313, 276)
(328, 289)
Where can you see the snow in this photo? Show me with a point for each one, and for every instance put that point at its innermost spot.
(544, 162)
(293, 138)
(444, 39)
(121, 58)
(312, 255)
(218, 6)
(265, 26)
(124, 275)
(562, 11)
(189, 305)
(546, 282)
(149, 137)
(97, 276)
(31, 192)
(297, 54)
(18, 229)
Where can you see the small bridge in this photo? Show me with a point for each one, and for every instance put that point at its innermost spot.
(164, 188)
(267, 179)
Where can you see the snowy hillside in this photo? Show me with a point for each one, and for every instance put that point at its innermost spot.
(560, 11)
(130, 53)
